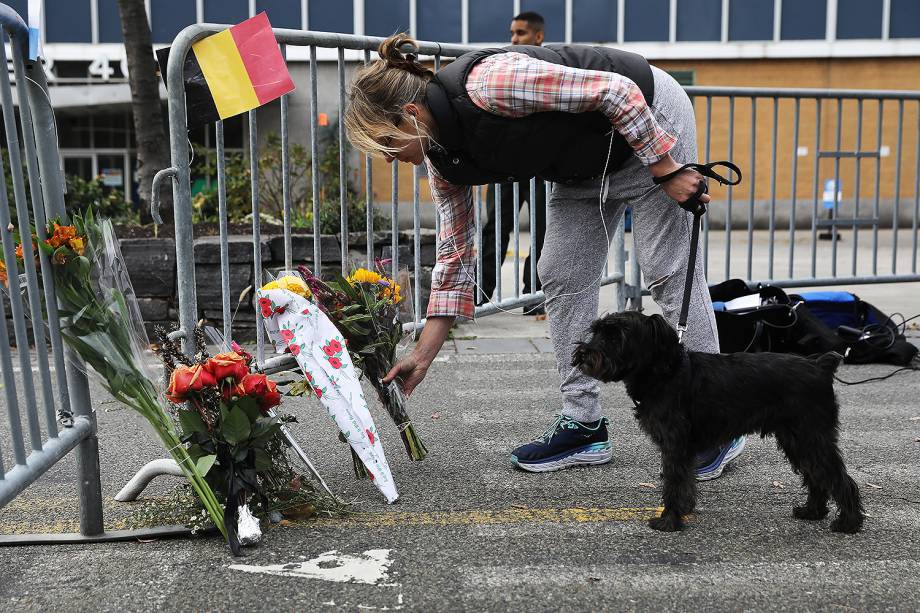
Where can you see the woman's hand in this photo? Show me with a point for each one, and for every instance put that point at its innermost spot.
(410, 372)
(682, 187)
(413, 368)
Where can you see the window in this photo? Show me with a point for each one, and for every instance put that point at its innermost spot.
(905, 19)
(646, 20)
(74, 131)
(169, 17)
(594, 21)
(226, 11)
(683, 77)
(67, 21)
(332, 16)
(553, 12)
(804, 20)
(386, 17)
(281, 13)
(699, 20)
(750, 20)
(489, 20)
(859, 19)
(109, 22)
(438, 20)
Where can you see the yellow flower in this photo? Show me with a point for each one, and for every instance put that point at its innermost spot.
(290, 283)
(362, 275)
(77, 245)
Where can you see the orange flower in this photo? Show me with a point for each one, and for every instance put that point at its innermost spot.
(186, 380)
(19, 251)
(3, 276)
(61, 235)
(227, 365)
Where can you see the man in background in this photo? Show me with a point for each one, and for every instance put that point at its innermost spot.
(526, 29)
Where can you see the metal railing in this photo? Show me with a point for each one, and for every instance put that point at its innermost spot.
(796, 165)
(717, 117)
(57, 406)
(350, 50)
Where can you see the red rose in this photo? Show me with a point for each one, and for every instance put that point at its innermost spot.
(227, 366)
(305, 312)
(308, 376)
(335, 362)
(287, 335)
(186, 380)
(264, 389)
(295, 349)
(319, 392)
(266, 305)
(335, 345)
(370, 435)
(328, 350)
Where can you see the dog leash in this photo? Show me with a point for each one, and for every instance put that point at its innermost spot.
(695, 206)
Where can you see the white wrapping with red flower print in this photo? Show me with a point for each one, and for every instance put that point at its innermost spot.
(295, 323)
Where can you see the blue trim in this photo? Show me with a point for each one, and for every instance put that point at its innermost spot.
(592, 447)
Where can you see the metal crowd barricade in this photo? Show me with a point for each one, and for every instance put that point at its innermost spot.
(718, 111)
(896, 115)
(58, 412)
(349, 48)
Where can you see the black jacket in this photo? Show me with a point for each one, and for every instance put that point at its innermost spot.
(476, 147)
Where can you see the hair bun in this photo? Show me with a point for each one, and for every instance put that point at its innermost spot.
(401, 51)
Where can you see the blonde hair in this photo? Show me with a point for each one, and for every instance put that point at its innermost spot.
(379, 91)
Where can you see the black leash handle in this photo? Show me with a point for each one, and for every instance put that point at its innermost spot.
(695, 206)
(693, 203)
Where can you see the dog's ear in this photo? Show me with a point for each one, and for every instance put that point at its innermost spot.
(662, 331)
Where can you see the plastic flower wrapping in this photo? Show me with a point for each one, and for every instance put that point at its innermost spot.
(296, 324)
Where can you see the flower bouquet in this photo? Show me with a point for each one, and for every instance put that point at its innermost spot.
(233, 436)
(365, 306)
(295, 324)
(100, 321)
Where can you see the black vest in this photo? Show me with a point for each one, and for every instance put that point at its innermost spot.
(476, 147)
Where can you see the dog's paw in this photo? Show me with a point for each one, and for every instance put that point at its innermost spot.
(809, 513)
(665, 523)
(847, 524)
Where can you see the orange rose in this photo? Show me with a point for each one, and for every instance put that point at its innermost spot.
(228, 365)
(264, 389)
(186, 380)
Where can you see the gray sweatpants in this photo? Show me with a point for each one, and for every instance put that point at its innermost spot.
(575, 250)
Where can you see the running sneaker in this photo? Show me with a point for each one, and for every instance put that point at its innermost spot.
(565, 443)
(710, 465)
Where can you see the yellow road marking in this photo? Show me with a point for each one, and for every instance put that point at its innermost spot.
(514, 515)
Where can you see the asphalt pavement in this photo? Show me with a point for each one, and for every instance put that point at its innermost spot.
(470, 532)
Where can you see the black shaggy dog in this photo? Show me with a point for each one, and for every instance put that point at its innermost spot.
(689, 402)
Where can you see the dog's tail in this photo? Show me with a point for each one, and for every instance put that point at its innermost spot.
(829, 361)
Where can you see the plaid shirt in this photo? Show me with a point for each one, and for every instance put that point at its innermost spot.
(514, 85)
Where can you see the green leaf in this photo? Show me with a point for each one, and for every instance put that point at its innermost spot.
(191, 422)
(263, 461)
(236, 426)
(249, 406)
(205, 463)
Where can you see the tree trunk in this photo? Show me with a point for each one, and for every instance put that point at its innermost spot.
(152, 144)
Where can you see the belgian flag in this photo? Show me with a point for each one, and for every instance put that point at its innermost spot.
(232, 72)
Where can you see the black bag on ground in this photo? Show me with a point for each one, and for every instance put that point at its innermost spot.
(807, 324)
